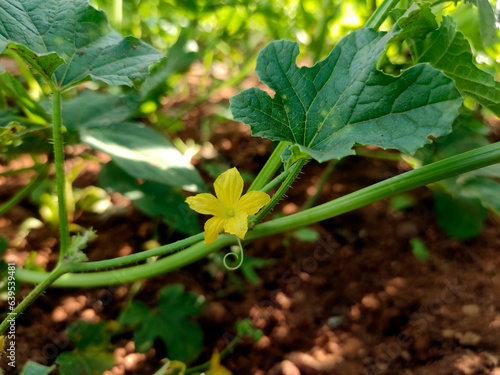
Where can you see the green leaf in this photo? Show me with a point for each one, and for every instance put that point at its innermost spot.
(244, 327)
(92, 108)
(84, 363)
(419, 249)
(487, 23)
(344, 100)
(306, 234)
(486, 190)
(33, 368)
(447, 49)
(152, 198)
(87, 335)
(72, 41)
(459, 217)
(249, 265)
(13, 88)
(170, 322)
(417, 23)
(144, 153)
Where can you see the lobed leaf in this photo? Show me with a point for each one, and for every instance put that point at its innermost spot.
(170, 322)
(345, 100)
(72, 42)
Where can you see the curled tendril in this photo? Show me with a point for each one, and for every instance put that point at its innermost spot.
(239, 257)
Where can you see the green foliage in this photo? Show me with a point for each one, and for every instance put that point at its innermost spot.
(344, 100)
(33, 368)
(74, 42)
(306, 234)
(460, 218)
(487, 23)
(90, 356)
(152, 198)
(462, 203)
(402, 202)
(169, 322)
(250, 264)
(419, 249)
(244, 327)
(78, 243)
(447, 49)
(144, 153)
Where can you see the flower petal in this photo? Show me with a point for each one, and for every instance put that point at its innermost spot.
(206, 204)
(213, 227)
(252, 202)
(228, 187)
(237, 225)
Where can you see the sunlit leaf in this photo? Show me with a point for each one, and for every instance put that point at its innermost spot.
(72, 41)
(344, 100)
(447, 49)
(144, 153)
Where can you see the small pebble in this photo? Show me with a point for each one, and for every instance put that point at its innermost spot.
(470, 310)
(470, 339)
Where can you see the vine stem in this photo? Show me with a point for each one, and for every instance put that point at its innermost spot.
(290, 178)
(270, 168)
(57, 132)
(24, 191)
(425, 175)
(39, 289)
(378, 17)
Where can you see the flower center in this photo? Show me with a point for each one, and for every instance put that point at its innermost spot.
(229, 212)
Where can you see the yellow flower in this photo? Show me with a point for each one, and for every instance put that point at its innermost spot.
(230, 209)
(215, 367)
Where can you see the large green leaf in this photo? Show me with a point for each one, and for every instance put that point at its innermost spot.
(169, 322)
(152, 198)
(72, 41)
(144, 153)
(447, 49)
(344, 100)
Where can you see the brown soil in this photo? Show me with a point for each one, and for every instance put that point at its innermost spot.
(355, 302)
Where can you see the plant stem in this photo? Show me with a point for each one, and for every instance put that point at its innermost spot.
(330, 167)
(21, 170)
(275, 181)
(290, 178)
(378, 17)
(413, 179)
(39, 289)
(270, 168)
(143, 255)
(428, 174)
(24, 191)
(57, 131)
(142, 271)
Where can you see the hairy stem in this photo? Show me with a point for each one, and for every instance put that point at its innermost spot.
(290, 178)
(57, 131)
(270, 168)
(39, 289)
